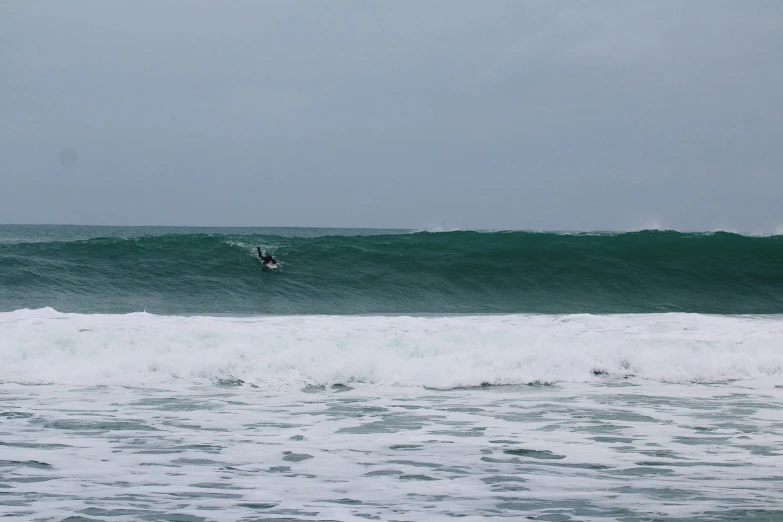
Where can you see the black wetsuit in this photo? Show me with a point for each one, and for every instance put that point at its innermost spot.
(265, 259)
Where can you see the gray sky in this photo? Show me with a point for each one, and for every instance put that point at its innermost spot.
(415, 114)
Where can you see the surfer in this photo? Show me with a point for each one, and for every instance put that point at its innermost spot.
(266, 259)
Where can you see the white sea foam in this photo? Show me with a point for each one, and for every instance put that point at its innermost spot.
(44, 346)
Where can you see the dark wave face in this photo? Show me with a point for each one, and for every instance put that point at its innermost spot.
(443, 272)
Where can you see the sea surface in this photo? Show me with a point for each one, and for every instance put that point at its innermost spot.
(158, 374)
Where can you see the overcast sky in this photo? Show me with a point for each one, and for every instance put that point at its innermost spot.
(582, 115)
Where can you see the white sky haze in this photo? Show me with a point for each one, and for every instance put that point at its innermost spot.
(610, 115)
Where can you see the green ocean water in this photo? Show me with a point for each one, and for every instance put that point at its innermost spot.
(333, 271)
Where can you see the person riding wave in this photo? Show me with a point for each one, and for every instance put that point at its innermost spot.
(266, 259)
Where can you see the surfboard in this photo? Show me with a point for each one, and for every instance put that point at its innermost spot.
(270, 265)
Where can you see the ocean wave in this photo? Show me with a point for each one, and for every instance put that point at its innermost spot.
(45, 346)
(424, 272)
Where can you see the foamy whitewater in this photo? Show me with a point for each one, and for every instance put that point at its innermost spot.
(289, 353)
(573, 417)
(557, 377)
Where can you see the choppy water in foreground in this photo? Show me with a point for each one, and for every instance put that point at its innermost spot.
(630, 417)
(614, 450)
